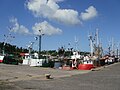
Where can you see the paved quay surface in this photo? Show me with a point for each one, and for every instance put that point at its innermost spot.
(22, 72)
(20, 77)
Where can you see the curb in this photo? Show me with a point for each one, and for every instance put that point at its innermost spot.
(105, 66)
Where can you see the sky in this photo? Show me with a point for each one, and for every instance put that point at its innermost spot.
(64, 23)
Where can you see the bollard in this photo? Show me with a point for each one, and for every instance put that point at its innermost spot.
(47, 76)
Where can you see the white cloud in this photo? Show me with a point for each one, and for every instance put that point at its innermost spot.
(42, 8)
(45, 28)
(51, 10)
(17, 28)
(67, 16)
(53, 5)
(59, 0)
(90, 13)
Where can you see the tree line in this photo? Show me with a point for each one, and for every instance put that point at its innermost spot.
(11, 49)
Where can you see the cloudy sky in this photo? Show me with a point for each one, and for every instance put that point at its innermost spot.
(63, 22)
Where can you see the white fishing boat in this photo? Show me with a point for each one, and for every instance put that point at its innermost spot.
(33, 60)
(1, 58)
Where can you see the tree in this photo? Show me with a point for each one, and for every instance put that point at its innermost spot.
(61, 51)
(11, 49)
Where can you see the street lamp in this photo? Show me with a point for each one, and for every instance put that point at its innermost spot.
(40, 36)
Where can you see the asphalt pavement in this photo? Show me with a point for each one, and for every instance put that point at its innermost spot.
(32, 78)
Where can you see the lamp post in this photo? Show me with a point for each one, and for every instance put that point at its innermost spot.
(40, 37)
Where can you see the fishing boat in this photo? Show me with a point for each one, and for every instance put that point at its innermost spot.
(92, 60)
(33, 60)
(1, 58)
(87, 64)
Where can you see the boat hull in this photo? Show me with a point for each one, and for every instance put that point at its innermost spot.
(85, 66)
(1, 59)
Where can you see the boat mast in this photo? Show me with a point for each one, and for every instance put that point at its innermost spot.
(97, 37)
(91, 44)
(76, 43)
(113, 46)
(119, 51)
